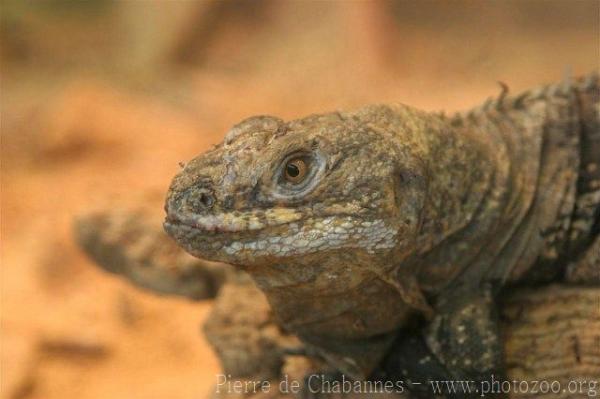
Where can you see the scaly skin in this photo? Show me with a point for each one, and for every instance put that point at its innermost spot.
(400, 213)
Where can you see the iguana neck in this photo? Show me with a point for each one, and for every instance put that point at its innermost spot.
(472, 186)
(500, 199)
(527, 216)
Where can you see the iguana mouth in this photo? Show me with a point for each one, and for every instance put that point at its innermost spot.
(232, 222)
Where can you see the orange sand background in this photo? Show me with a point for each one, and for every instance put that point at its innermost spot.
(100, 100)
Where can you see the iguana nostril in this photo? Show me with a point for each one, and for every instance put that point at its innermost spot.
(200, 200)
(206, 200)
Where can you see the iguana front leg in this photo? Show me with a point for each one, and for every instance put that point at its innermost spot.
(464, 336)
(460, 344)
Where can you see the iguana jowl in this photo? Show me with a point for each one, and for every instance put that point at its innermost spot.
(351, 222)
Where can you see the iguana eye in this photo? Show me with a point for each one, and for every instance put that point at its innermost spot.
(295, 170)
(297, 174)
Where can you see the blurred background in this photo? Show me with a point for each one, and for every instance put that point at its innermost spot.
(100, 100)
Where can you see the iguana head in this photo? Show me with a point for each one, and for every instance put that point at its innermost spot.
(276, 191)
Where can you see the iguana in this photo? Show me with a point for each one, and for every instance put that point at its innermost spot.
(354, 222)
